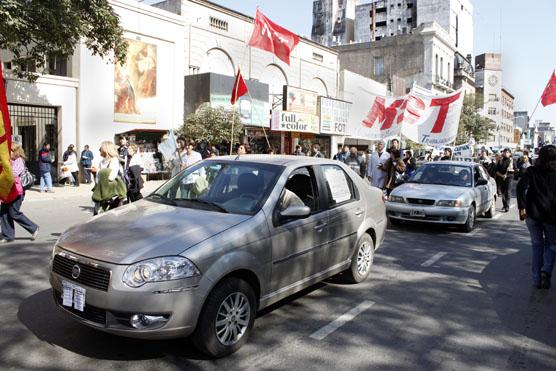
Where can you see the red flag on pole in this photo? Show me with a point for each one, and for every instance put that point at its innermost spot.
(240, 88)
(549, 94)
(268, 36)
(8, 191)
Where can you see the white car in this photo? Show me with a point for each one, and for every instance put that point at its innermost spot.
(444, 192)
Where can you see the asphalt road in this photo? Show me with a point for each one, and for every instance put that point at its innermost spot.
(436, 300)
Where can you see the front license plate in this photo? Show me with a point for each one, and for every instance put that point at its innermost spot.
(73, 296)
(418, 213)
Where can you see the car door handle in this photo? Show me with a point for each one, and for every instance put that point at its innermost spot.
(320, 226)
(359, 212)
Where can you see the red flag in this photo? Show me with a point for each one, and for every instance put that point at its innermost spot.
(268, 36)
(240, 88)
(549, 94)
(8, 191)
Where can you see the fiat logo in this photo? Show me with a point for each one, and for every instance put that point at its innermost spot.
(75, 271)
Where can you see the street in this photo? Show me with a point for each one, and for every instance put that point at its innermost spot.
(436, 299)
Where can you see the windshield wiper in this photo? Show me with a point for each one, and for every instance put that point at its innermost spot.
(162, 198)
(204, 202)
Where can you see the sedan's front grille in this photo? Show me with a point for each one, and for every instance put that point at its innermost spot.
(95, 277)
(420, 201)
(90, 312)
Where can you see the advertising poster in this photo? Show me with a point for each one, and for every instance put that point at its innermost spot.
(334, 116)
(135, 84)
(253, 112)
(300, 100)
(294, 121)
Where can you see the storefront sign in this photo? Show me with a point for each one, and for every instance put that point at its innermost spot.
(253, 112)
(334, 116)
(300, 100)
(293, 121)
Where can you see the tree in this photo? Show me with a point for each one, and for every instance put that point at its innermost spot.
(212, 125)
(36, 30)
(472, 124)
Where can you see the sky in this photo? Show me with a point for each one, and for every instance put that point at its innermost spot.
(523, 31)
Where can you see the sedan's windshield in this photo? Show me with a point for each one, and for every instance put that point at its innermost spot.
(223, 186)
(443, 174)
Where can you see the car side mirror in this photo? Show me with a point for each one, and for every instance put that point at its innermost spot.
(482, 182)
(295, 212)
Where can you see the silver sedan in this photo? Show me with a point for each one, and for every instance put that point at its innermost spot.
(219, 241)
(445, 192)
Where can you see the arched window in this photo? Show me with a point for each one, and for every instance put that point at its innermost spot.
(218, 61)
(319, 86)
(276, 78)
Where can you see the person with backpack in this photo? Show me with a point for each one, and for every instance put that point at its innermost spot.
(10, 212)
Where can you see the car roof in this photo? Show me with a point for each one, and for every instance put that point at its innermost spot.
(281, 160)
(459, 163)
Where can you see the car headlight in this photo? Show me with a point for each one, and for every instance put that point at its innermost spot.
(450, 203)
(396, 199)
(159, 269)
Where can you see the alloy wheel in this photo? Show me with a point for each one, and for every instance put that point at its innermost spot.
(232, 318)
(364, 258)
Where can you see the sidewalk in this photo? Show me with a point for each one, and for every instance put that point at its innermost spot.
(84, 190)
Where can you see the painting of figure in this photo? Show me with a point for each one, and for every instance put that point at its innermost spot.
(135, 84)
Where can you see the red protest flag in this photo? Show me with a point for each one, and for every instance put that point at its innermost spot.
(8, 191)
(549, 94)
(273, 38)
(240, 88)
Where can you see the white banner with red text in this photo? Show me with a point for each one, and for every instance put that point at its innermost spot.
(426, 119)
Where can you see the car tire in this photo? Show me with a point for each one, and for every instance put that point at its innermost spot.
(470, 222)
(362, 260)
(226, 319)
(492, 209)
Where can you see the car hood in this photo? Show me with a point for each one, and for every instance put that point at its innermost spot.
(145, 230)
(430, 191)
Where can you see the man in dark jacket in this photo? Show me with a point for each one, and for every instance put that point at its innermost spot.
(504, 175)
(87, 161)
(355, 162)
(536, 200)
(45, 167)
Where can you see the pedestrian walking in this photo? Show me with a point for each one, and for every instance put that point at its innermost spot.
(70, 162)
(87, 158)
(536, 200)
(410, 164)
(45, 168)
(10, 212)
(343, 152)
(504, 174)
(355, 162)
(394, 169)
(298, 151)
(374, 168)
(122, 149)
(134, 168)
(177, 162)
(109, 190)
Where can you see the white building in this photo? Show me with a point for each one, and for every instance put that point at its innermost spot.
(455, 16)
(497, 102)
(79, 107)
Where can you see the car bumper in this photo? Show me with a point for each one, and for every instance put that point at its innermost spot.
(427, 214)
(110, 311)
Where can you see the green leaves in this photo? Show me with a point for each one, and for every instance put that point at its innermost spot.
(472, 124)
(34, 30)
(212, 124)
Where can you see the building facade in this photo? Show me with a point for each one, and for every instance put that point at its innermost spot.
(424, 57)
(382, 18)
(455, 16)
(333, 22)
(489, 85)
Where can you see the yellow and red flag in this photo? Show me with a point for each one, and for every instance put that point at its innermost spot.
(8, 191)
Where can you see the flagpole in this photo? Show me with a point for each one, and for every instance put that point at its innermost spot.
(535, 110)
(236, 87)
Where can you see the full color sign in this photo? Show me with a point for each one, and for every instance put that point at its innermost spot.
(334, 116)
(293, 121)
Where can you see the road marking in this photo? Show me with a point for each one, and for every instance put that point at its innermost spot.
(433, 259)
(340, 321)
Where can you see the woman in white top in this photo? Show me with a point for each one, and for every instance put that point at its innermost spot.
(70, 162)
(110, 160)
